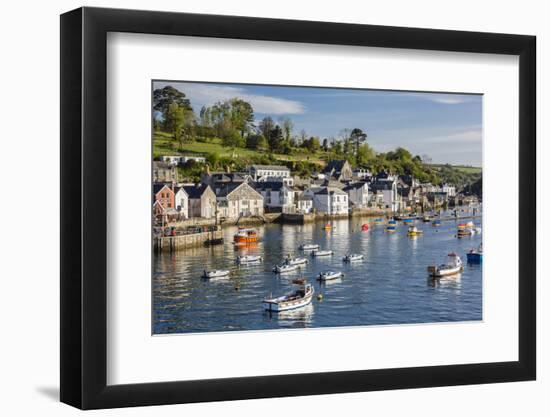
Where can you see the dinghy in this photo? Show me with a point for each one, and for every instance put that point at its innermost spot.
(249, 259)
(281, 269)
(329, 275)
(322, 253)
(352, 257)
(295, 299)
(217, 273)
(309, 246)
(296, 261)
(452, 266)
(414, 231)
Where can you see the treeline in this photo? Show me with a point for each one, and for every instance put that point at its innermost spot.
(232, 122)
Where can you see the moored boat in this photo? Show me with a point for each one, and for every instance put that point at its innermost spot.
(365, 227)
(378, 221)
(436, 223)
(353, 257)
(475, 256)
(328, 226)
(329, 275)
(283, 268)
(426, 218)
(249, 259)
(322, 253)
(414, 231)
(216, 273)
(392, 226)
(452, 266)
(245, 236)
(309, 246)
(296, 261)
(295, 299)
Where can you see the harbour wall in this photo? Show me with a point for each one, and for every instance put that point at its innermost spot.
(174, 243)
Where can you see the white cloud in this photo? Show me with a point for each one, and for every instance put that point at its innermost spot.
(208, 94)
(447, 100)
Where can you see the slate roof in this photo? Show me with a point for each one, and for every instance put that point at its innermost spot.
(268, 185)
(271, 167)
(194, 191)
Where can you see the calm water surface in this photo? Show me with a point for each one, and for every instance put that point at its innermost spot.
(390, 286)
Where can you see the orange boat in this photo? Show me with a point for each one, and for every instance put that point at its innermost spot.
(328, 226)
(245, 236)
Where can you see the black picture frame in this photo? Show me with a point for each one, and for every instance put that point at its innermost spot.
(84, 207)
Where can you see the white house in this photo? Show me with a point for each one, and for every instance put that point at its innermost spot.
(239, 199)
(304, 203)
(386, 194)
(331, 200)
(171, 159)
(262, 173)
(276, 194)
(449, 189)
(177, 159)
(181, 202)
(358, 194)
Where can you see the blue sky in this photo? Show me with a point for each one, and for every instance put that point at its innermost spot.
(446, 127)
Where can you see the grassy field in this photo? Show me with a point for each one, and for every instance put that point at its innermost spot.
(463, 168)
(163, 144)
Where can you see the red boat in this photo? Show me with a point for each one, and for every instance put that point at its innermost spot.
(365, 227)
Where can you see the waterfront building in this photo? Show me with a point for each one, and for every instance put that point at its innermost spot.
(386, 194)
(239, 199)
(164, 195)
(164, 172)
(201, 201)
(304, 203)
(331, 200)
(276, 194)
(358, 194)
(449, 189)
(181, 201)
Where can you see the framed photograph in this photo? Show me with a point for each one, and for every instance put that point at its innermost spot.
(259, 208)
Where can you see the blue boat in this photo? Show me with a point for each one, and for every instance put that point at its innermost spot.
(391, 227)
(475, 256)
(436, 223)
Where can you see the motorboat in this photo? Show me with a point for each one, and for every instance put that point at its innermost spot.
(216, 273)
(283, 268)
(453, 265)
(296, 261)
(329, 275)
(322, 253)
(352, 257)
(309, 246)
(245, 236)
(475, 256)
(248, 259)
(414, 231)
(295, 299)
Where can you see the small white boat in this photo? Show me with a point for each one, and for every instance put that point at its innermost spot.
(352, 257)
(322, 253)
(296, 299)
(216, 273)
(452, 266)
(296, 261)
(249, 259)
(281, 269)
(309, 246)
(478, 230)
(329, 275)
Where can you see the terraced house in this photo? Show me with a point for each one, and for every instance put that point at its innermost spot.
(239, 199)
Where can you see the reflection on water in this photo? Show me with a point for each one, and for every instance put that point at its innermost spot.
(390, 286)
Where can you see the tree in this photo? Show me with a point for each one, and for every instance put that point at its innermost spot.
(266, 126)
(163, 97)
(242, 115)
(213, 159)
(365, 154)
(179, 122)
(357, 136)
(325, 144)
(287, 127)
(275, 139)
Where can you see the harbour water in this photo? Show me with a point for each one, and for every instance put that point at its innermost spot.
(390, 286)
